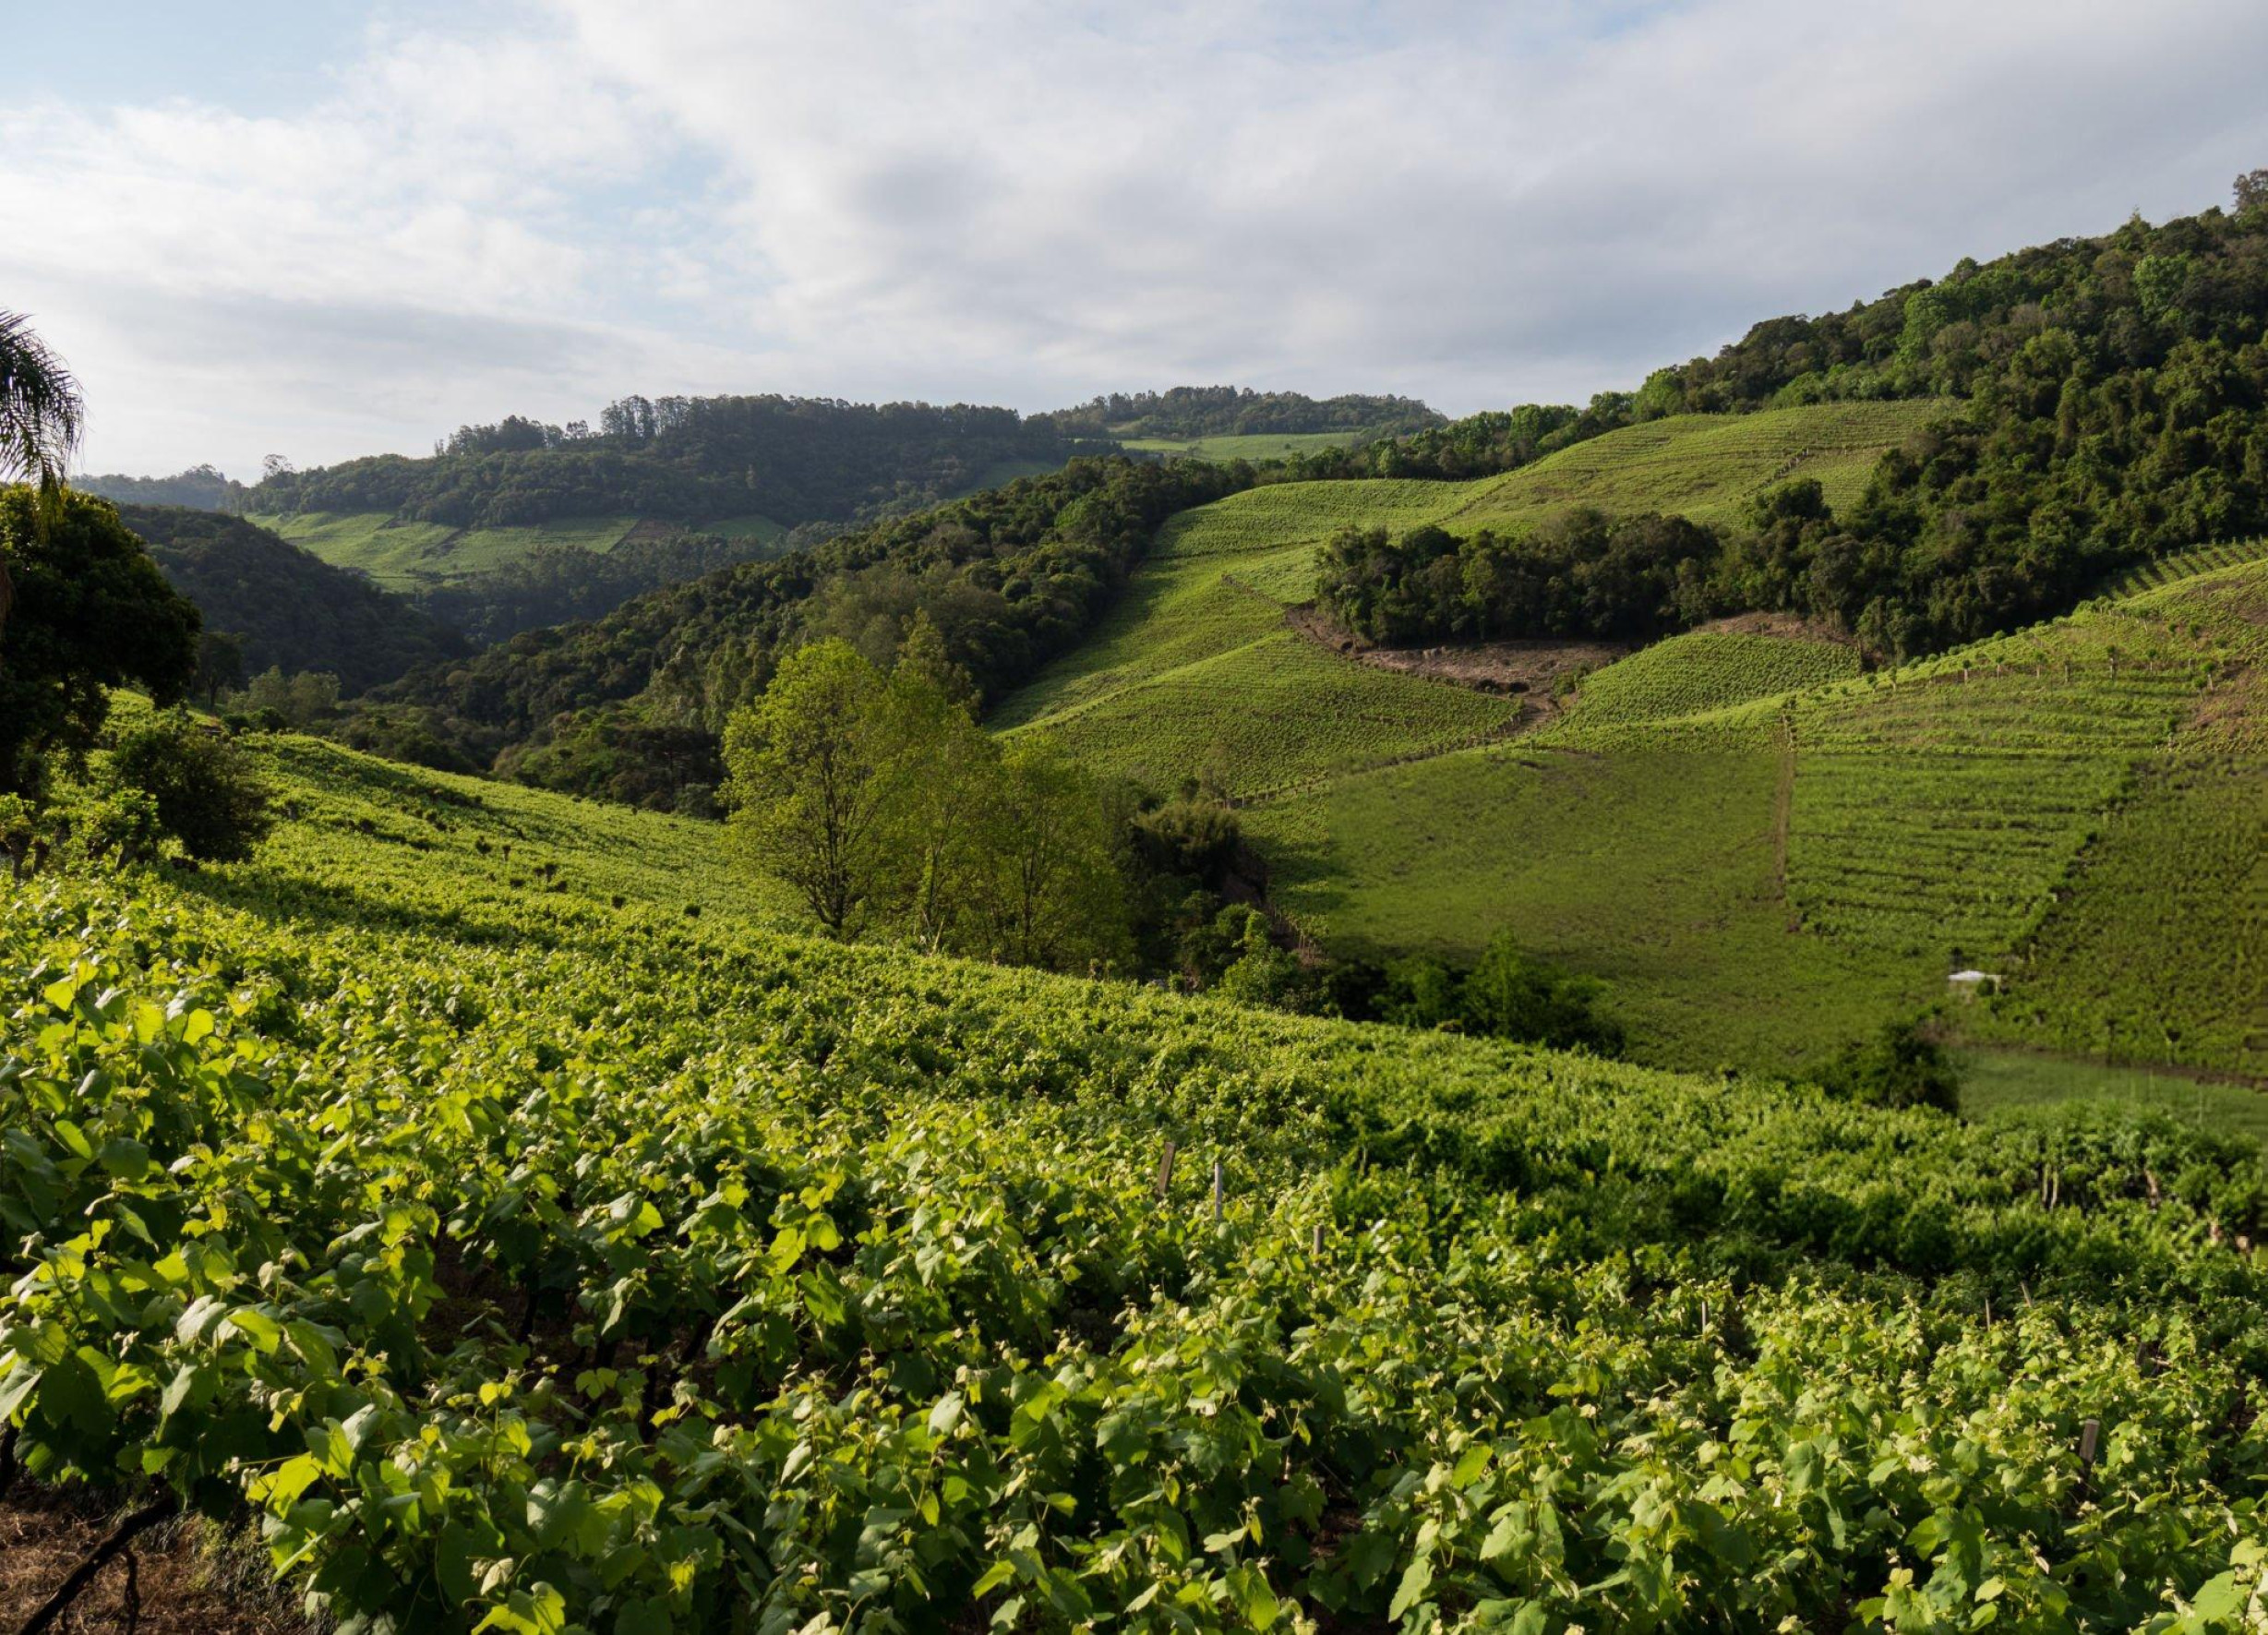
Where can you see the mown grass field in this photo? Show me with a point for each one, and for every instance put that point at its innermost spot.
(406, 556)
(1255, 446)
(411, 556)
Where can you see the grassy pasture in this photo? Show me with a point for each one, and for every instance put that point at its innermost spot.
(1255, 446)
(2003, 1086)
(1651, 869)
(405, 556)
(1703, 467)
(2082, 808)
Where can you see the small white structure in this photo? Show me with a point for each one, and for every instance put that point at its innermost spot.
(1968, 984)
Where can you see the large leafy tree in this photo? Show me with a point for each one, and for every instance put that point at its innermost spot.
(91, 612)
(82, 607)
(814, 766)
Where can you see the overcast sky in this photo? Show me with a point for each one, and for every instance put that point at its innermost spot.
(324, 229)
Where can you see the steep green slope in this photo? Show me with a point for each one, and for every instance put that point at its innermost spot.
(525, 1258)
(2157, 946)
(1702, 467)
(289, 607)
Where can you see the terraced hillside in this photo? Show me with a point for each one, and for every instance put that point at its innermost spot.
(515, 1250)
(1195, 669)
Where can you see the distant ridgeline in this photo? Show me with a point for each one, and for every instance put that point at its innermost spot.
(201, 487)
(690, 459)
(2104, 406)
(1233, 410)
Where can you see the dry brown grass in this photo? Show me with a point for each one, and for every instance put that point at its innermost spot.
(186, 1577)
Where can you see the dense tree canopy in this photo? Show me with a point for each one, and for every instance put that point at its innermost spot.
(91, 612)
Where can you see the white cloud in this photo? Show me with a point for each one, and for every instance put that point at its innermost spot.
(1016, 201)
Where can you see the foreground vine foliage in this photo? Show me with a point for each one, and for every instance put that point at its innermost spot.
(538, 1268)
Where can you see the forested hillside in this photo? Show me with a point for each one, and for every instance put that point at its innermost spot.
(688, 459)
(286, 608)
(2113, 408)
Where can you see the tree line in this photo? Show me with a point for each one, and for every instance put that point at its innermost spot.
(200, 488)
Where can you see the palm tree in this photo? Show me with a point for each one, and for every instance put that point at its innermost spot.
(40, 414)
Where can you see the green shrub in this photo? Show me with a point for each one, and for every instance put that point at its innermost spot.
(1900, 1066)
(206, 794)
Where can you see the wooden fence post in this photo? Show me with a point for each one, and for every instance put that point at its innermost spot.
(1165, 1170)
(1216, 1192)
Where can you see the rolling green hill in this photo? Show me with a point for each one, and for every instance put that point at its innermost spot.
(1195, 666)
(517, 1248)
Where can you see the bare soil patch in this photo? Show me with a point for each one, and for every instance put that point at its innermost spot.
(181, 1577)
(1529, 669)
(1790, 626)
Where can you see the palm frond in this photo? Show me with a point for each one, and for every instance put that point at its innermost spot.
(42, 413)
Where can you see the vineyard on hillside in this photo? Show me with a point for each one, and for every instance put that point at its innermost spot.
(1705, 671)
(1702, 467)
(525, 1254)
